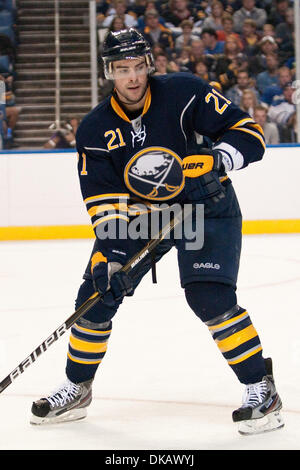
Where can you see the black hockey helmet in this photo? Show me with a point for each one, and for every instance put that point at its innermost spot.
(125, 44)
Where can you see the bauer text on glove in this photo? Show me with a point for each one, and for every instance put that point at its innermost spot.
(202, 174)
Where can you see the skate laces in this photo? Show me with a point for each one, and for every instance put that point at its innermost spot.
(255, 394)
(65, 394)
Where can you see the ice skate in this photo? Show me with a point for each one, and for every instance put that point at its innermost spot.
(68, 403)
(260, 411)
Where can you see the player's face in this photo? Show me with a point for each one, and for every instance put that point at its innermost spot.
(130, 79)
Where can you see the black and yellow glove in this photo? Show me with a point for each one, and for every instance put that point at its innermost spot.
(202, 174)
(108, 280)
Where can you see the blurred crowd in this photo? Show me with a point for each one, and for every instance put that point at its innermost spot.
(244, 48)
(9, 110)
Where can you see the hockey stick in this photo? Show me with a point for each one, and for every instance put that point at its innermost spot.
(132, 264)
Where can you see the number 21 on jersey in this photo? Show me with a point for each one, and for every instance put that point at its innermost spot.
(115, 139)
(215, 95)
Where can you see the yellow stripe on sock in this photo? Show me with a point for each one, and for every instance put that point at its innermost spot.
(85, 346)
(236, 339)
(82, 361)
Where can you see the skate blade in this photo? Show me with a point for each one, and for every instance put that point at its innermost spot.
(268, 423)
(72, 415)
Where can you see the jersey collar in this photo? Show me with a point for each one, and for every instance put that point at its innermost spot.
(120, 112)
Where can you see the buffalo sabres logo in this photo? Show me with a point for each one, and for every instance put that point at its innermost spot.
(155, 173)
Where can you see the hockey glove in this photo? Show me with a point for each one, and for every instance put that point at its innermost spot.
(108, 280)
(202, 176)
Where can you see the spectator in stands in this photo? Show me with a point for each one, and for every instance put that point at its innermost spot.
(281, 113)
(270, 76)
(274, 93)
(155, 32)
(104, 7)
(202, 70)
(12, 111)
(164, 66)
(269, 30)
(183, 59)
(197, 52)
(177, 11)
(228, 64)
(120, 7)
(161, 64)
(270, 128)
(6, 63)
(289, 132)
(232, 5)
(64, 138)
(214, 20)
(249, 101)
(250, 38)
(187, 36)
(197, 49)
(7, 48)
(228, 29)
(117, 24)
(157, 49)
(148, 5)
(266, 4)
(138, 8)
(284, 34)
(211, 43)
(266, 46)
(244, 82)
(249, 11)
(277, 14)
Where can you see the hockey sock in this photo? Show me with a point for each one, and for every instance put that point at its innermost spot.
(89, 337)
(238, 341)
(87, 347)
(231, 328)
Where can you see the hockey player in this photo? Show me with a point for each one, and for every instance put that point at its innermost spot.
(140, 144)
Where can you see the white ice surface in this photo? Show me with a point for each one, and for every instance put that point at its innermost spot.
(163, 383)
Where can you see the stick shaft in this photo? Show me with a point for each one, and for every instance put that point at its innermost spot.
(132, 264)
(49, 341)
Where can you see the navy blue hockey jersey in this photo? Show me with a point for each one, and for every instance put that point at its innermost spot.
(122, 160)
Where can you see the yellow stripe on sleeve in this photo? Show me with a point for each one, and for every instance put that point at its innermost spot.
(242, 122)
(255, 134)
(257, 127)
(96, 210)
(110, 217)
(106, 196)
